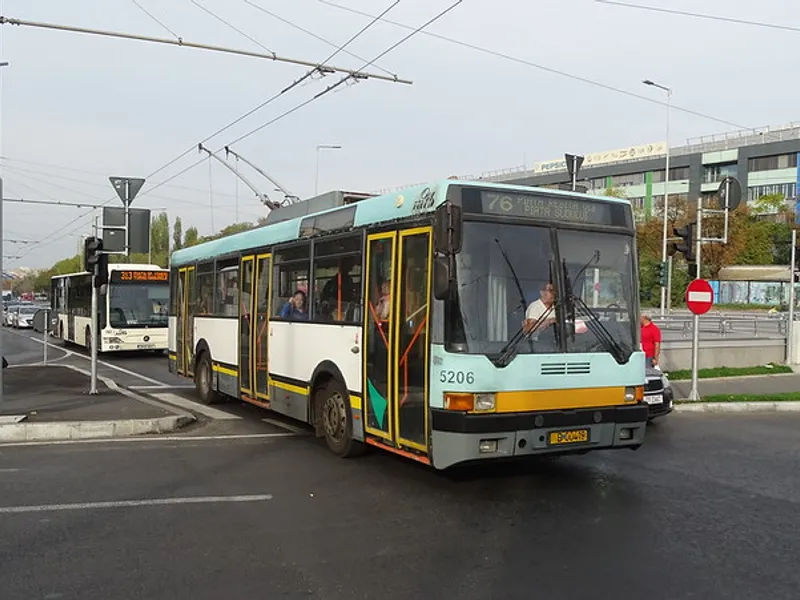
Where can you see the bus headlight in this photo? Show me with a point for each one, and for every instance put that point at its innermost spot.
(634, 394)
(484, 402)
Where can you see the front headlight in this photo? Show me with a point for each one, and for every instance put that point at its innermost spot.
(484, 401)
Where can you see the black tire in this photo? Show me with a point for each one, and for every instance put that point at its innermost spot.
(203, 378)
(87, 339)
(332, 403)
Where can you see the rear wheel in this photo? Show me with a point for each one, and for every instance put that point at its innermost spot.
(333, 411)
(204, 379)
(88, 340)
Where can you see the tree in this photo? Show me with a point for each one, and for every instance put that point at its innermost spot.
(191, 237)
(614, 192)
(770, 203)
(177, 234)
(159, 239)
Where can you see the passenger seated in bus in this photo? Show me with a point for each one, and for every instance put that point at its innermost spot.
(294, 309)
(537, 308)
(329, 297)
(383, 307)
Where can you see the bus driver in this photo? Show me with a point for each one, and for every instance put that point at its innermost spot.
(539, 307)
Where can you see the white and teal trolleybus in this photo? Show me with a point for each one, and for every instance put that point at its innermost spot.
(448, 323)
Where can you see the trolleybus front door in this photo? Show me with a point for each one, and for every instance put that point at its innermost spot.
(396, 340)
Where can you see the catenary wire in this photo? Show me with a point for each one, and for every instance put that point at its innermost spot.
(541, 67)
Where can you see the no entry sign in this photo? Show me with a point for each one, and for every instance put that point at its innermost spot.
(699, 296)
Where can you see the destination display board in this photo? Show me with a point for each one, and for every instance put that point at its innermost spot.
(541, 207)
(139, 277)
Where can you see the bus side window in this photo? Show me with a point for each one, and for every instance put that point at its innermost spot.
(291, 270)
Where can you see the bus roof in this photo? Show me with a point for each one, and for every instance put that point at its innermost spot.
(367, 211)
(116, 267)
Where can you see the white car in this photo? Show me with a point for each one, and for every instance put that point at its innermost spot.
(22, 316)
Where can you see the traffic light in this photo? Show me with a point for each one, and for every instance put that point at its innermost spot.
(95, 261)
(686, 245)
(661, 273)
(92, 247)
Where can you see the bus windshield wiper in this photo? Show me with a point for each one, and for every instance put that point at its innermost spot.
(612, 346)
(522, 298)
(509, 351)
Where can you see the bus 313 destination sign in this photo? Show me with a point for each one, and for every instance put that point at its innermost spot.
(139, 277)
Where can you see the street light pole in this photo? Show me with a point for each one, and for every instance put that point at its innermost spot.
(316, 176)
(664, 234)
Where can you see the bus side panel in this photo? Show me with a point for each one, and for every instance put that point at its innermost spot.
(81, 323)
(221, 336)
(172, 342)
(295, 351)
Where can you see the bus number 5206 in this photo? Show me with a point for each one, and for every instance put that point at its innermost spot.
(457, 377)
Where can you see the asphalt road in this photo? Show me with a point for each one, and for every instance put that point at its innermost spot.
(707, 509)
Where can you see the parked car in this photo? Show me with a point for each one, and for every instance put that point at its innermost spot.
(658, 393)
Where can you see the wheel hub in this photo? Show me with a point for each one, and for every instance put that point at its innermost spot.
(334, 416)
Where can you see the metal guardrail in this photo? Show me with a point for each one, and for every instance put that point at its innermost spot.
(724, 326)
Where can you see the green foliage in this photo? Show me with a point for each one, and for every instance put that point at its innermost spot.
(191, 237)
(759, 247)
(177, 234)
(614, 193)
(770, 203)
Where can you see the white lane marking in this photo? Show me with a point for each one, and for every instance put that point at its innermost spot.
(11, 419)
(10, 470)
(189, 405)
(283, 425)
(163, 386)
(151, 439)
(7, 510)
(105, 364)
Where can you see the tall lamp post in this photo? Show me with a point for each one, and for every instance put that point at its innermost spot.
(322, 147)
(666, 189)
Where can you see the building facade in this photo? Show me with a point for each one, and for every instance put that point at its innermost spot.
(765, 162)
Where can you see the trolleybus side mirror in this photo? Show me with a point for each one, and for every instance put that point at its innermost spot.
(447, 229)
(441, 278)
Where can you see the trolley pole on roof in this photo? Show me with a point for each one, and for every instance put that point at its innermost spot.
(289, 198)
(263, 198)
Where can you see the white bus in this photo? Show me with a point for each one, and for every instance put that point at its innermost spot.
(133, 308)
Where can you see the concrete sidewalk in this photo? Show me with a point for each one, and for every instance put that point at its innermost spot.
(751, 384)
(53, 403)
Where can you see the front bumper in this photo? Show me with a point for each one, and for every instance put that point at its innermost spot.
(457, 437)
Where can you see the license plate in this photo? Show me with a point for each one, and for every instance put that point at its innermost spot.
(145, 346)
(574, 436)
(654, 399)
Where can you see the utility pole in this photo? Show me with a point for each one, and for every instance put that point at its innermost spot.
(790, 325)
(694, 394)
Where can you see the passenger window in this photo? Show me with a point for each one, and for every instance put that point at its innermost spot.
(291, 273)
(227, 296)
(205, 289)
(337, 289)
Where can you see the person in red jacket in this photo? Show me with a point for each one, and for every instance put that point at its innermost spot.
(651, 340)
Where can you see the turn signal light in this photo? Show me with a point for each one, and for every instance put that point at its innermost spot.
(459, 401)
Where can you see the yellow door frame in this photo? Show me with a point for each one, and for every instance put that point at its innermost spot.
(246, 388)
(390, 414)
(265, 329)
(398, 319)
(186, 349)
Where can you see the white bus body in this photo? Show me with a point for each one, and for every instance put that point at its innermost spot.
(132, 308)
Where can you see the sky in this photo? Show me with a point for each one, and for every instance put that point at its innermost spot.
(76, 108)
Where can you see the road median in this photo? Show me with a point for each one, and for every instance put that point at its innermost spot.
(52, 404)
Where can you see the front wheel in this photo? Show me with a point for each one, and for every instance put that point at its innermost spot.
(333, 404)
(203, 381)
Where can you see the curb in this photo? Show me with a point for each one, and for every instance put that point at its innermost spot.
(734, 378)
(85, 430)
(738, 407)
